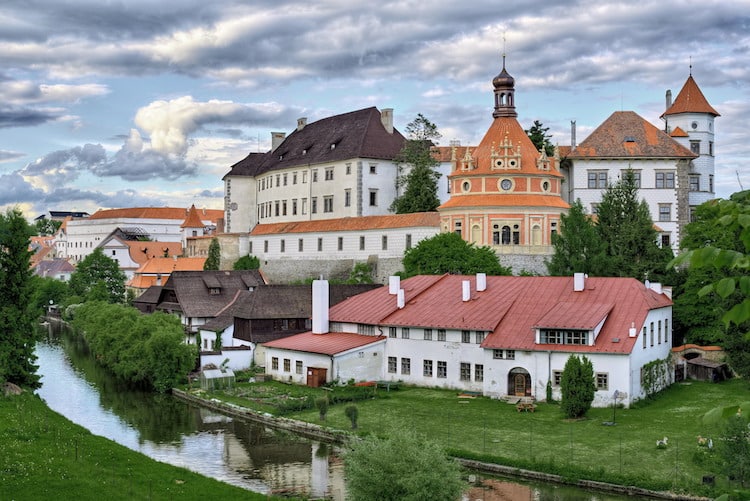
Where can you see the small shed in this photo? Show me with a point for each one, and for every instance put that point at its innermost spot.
(703, 369)
(217, 379)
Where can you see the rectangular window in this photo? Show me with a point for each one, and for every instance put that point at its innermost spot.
(665, 179)
(315, 175)
(265, 245)
(665, 212)
(328, 204)
(497, 354)
(347, 198)
(304, 176)
(658, 333)
(465, 372)
(597, 179)
(275, 363)
(298, 363)
(457, 228)
(406, 366)
(373, 198)
(276, 208)
(427, 368)
(652, 333)
(510, 354)
(466, 336)
(695, 183)
(602, 381)
(282, 245)
(304, 206)
(278, 178)
(373, 168)
(404, 333)
(665, 240)
(341, 243)
(478, 373)
(329, 174)
(441, 335)
(294, 207)
(428, 334)
(285, 178)
(442, 369)
(301, 245)
(320, 244)
(666, 330)
(554, 336)
(695, 147)
(408, 240)
(711, 148)
(711, 183)
(294, 178)
(391, 332)
(287, 365)
(314, 205)
(556, 378)
(392, 365)
(479, 337)
(385, 242)
(644, 336)
(348, 169)
(636, 176)
(362, 243)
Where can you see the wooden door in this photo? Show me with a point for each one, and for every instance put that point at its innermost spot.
(519, 385)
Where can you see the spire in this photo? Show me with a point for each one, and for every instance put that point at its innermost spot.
(690, 100)
(504, 85)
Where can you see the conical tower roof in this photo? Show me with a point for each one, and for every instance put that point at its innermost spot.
(690, 100)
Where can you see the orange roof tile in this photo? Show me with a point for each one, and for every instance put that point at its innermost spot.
(679, 349)
(429, 219)
(678, 132)
(690, 100)
(505, 200)
(142, 251)
(331, 343)
(193, 220)
(166, 265)
(212, 215)
(445, 153)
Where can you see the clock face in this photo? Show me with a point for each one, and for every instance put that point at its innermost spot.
(506, 184)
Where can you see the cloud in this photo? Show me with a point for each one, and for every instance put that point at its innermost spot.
(18, 116)
(8, 155)
(15, 190)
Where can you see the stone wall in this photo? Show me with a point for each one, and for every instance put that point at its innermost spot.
(281, 271)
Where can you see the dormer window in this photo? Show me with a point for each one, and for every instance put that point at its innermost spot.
(214, 291)
(564, 336)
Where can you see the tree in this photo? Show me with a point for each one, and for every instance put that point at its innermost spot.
(538, 135)
(361, 274)
(577, 386)
(627, 232)
(17, 338)
(734, 449)
(403, 466)
(46, 291)
(213, 261)
(247, 263)
(420, 192)
(578, 248)
(98, 277)
(449, 253)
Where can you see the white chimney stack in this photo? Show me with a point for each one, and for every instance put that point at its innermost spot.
(394, 284)
(466, 290)
(579, 282)
(386, 118)
(301, 122)
(632, 332)
(320, 306)
(656, 287)
(276, 139)
(481, 282)
(400, 301)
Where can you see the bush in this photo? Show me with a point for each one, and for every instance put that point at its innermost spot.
(577, 386)
(322, 404)
(352, 413)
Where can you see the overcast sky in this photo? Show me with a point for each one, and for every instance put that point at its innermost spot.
(147, 103)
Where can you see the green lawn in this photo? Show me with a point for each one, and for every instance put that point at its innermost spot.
(493, 430)
(45, 456)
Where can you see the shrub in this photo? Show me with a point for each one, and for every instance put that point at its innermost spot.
(322, 404)
(352, 413)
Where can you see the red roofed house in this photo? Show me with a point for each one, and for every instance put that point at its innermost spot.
(156, 270)
(505, 193)
(131, 251)
(500, 336)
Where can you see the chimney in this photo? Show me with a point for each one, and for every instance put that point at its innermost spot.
(400, 302)
(158, 279)
(573, 134)
(466, 290)
(632, 332)
(301, 122)
(276, 139)
(386, 117)
(481, 282)
(394, 284)
(656, 287)
(579, 282)
(320, 306)
(668, 97)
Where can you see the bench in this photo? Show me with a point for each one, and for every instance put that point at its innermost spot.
(525, 407)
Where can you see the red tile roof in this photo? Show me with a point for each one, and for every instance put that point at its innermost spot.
(331, 343)
(505, 200)
(511, 307)
(690, 100)
(141, 251)
(428, 219)
(627, 135)
(212, 215)
(193, 220)
(678, 132)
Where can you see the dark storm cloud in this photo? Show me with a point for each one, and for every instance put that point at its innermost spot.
(13, 116)
(15, 190)
(145, 165)
(80, 157)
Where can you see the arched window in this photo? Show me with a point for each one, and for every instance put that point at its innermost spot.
(506, 235)
(495, 234)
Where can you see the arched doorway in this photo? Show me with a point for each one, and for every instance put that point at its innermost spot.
(519, 382)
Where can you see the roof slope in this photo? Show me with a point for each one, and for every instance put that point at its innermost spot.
(511, 307)
(625, 134)
(325, 344)
(155, 213)
(506, 200)
(193, 289)
(356, 134)
(690, 100)
(193, 219)
(364, 223)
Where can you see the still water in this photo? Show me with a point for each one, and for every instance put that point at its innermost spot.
(235, 451)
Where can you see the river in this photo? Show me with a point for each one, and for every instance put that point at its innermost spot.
(235, 451)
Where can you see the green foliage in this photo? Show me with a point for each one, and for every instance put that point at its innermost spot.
(734, 449)
(360, 274)
(449, 253)
(143, 349)
(46, 291)
(352, 412)
(46, 227)
(627, 232)
(577, 386)
(420, 182)
(213, 261)
(17, 334)
(538, 135)
(321, 403)
(98, 278)
(737, 346)
(655, 376)
(578, 248)
(247, 263)
(401, 467)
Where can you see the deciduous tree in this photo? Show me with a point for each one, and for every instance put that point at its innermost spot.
(17, 338)
(449, 253)
(97, 277)
(247, 263)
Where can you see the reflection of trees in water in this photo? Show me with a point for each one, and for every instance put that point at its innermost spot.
(269, 446)
(157, 417)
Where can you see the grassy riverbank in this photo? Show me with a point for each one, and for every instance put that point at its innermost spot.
(45, 456)
(493, 431)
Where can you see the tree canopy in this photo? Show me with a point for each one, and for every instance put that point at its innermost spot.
(400, 467)
(449, 253)
(578, 248)
(420, 181)
(247, 263)
(538, 135)
(97, 277)
(17, 336)
(213, 261)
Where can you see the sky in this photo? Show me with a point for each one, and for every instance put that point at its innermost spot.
(134, 103)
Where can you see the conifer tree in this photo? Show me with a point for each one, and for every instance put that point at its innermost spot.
(578, 248)
(214, 255)
(577, 386)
